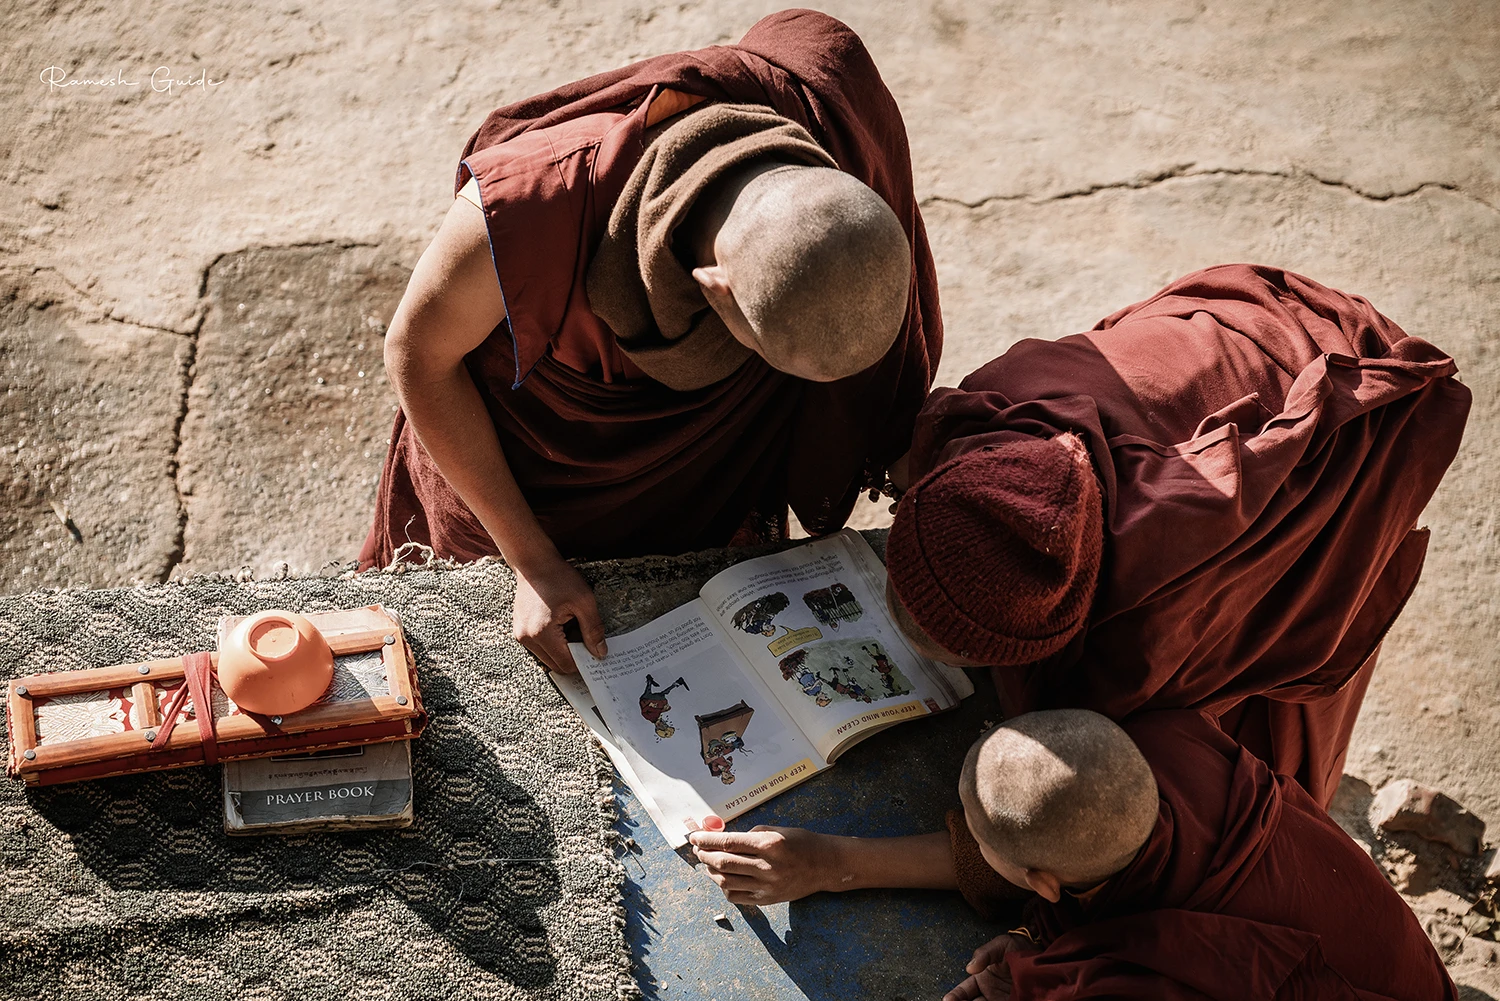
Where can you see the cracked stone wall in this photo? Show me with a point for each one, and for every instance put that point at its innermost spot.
(1071, 158)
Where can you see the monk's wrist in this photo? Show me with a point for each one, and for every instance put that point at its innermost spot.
(844, 864)
(531, 556)
(922, 861)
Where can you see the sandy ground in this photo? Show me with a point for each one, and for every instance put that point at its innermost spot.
(199, 252)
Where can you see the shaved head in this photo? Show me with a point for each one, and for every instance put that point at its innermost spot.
(1064, 792)
(820, 268)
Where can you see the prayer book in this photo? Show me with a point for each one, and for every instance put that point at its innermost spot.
(347, 789)
(778, 666)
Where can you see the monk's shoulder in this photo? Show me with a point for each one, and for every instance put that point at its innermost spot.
(1196, 765)
(1167, 736)
(541, 201)
(539, 151)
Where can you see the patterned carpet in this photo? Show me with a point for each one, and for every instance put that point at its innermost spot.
(508, 885)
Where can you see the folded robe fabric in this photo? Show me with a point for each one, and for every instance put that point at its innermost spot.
(1245, 891)
(1265, 445)
(614, 463)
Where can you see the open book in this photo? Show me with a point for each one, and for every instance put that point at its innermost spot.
(780, 664)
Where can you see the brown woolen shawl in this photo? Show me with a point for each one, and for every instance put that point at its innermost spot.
(1245, 891)
(1265, 445)
(636, 282)
(631, 467)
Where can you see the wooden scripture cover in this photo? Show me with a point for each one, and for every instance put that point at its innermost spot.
(74, 725)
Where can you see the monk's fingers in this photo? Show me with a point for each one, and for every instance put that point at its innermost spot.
(746, 898)
(548, 596)
(966, 991)
(529, 627)
(551, 648)
(731, 863)
(994, 983)
(585, 609)
(738, 842)
(557, 649)
(990, 953)
(987, 986)
(738, 884)
(534, 648)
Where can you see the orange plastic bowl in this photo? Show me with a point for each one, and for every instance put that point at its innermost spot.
(275, 663)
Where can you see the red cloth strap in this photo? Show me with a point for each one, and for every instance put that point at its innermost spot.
(198, 673)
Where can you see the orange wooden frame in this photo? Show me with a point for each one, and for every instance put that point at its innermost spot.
(395, 714)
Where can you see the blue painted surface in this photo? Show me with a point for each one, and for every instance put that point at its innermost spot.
(890, 945)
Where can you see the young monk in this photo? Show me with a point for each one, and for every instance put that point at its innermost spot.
(671, 300)
(1209, 501)
(1161, 861)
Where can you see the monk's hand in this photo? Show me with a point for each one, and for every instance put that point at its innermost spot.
(546, 599)
(766, 865)
(989, 977)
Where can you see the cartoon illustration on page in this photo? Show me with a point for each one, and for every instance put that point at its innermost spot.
(757, 616)
(845, 670)
(654, 706)
(833, 604)
(722, 734)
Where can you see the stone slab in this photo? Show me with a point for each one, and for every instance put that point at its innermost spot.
(89, 409)
(289, 410)
(343, 121)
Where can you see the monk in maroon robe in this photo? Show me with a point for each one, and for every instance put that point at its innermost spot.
(1209, 501)
(1243, 888)
(618, 398)
(1158, 860)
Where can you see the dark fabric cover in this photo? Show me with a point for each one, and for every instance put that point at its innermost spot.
(1265, 445)
(1245, 891)
(996, 553)
(617, 464)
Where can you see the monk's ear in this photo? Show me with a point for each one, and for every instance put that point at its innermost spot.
(1045, 884)
(714, 281)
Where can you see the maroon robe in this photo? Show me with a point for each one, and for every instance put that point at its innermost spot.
(614, 463)
(1265, 446)
(1245, 891)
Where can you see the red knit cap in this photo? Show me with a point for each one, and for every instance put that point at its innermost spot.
(996, 553)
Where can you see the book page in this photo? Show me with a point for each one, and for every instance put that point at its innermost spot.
(813, 624)
(700, 732)
(576, 691)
